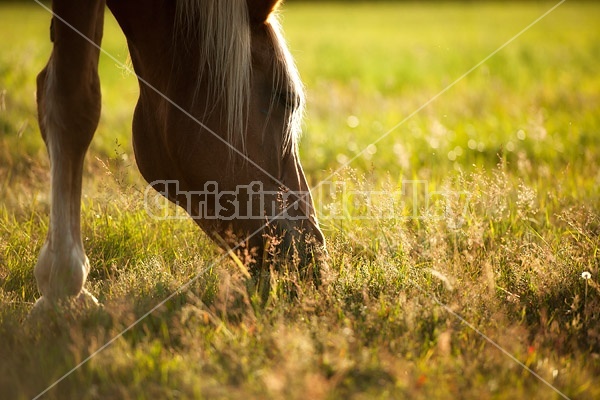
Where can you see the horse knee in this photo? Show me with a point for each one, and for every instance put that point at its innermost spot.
(40, 99)
(68, 109)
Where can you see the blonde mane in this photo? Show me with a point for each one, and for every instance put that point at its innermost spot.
(222, 30)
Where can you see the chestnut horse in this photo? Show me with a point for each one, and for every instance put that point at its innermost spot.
(219, 107)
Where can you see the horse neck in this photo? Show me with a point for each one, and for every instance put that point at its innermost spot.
(148, 27)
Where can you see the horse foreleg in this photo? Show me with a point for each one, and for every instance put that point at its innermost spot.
(68, 96)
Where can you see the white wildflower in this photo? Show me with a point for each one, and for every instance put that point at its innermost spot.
(586, 275)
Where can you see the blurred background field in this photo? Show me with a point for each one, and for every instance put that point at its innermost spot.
(515, 145)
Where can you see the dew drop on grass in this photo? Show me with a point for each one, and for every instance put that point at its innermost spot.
(370, 151)
(352, 121)
(342, 158)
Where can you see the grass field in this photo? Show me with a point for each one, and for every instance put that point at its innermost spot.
(477, 294)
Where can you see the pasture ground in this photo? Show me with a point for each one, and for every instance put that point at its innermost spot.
(509, 157)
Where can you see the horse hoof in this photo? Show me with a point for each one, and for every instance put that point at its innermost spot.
(87, 300)
(79, 304)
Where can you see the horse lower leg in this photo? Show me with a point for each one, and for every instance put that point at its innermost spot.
(69, 110)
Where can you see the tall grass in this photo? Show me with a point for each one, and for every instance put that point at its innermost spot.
(482, 206)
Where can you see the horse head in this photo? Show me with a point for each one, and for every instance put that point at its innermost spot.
(231, 134)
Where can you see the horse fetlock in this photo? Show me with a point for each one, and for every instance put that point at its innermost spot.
(61, 273)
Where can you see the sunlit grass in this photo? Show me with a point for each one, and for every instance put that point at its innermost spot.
(509, 157)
